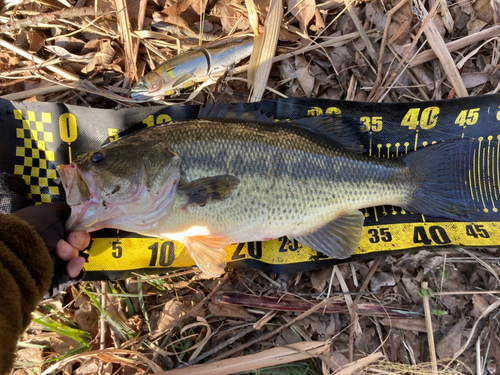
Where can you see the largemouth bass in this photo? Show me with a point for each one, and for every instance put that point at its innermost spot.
(185, 70)
(208, 183)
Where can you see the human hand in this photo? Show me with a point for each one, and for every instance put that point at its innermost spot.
(49, 220)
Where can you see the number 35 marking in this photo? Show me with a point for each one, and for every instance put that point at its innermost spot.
(380, 234)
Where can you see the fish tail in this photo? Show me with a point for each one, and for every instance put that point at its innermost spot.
(440, 180)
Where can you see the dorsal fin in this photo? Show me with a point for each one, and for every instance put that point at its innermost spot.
(326, 125)
(234, 111)
(337, 130)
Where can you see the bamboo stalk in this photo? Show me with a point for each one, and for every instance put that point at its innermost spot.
(271, 357)
(439, 47)
(124, 25)
(40, 61)
(466, 41)
(430, 333)
(362, 31)
(267, 50)
(40, 91)
(47, 17)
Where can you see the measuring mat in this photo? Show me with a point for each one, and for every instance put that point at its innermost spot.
(36, 137)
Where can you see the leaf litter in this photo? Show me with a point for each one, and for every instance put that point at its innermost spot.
(433, 311)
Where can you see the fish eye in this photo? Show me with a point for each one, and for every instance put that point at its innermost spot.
(97, 157)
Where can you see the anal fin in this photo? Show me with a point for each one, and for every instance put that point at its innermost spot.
(208, 253)
(339, 238)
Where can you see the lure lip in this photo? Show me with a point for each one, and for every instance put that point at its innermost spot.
(140, 95)
(140, 91)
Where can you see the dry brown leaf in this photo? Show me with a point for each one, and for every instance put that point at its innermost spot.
(133, 8)
(71, 44)
(88, 367)
(287, 69)
(189, 10)
(476, 26)
(451, 342)
(304, 75)
(381, 280)
(399, 31)
(62, 344)
(480, 305)
(483, 10)
(439, 23)
(90, 46)
(86, 316)
(229, 16)
(411, 287)
(178, 21)
(8, 58)
(320, 23)
(304, 11)
(474, 80)
(375, 15)
(229, 311)
(410, 324)
(447, 18)
(320, 278)
(335, 360)
(33, 356)
(35, 40)
(170, 316)
(66, 55)
(104, 56)
(341, 57)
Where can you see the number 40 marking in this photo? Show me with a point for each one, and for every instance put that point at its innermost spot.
(427, 119)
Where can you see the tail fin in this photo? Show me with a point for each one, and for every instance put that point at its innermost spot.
(441, 174)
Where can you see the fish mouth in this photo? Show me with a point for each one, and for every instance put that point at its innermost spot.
(137, 212)
(80, 197)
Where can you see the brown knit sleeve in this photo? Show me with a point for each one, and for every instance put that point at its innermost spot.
(26, 271)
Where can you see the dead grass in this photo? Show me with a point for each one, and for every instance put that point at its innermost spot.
(420, 313)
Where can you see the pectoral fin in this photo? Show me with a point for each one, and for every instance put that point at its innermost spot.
(209, 189)
(339, 238)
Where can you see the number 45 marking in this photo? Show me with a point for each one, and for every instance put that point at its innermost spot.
(467, 117)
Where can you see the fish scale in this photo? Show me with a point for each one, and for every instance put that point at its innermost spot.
(277, 169)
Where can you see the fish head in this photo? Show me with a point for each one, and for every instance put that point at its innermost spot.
(127, 186)
(148, 87)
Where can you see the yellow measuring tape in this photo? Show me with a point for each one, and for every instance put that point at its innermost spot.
(128, 254)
